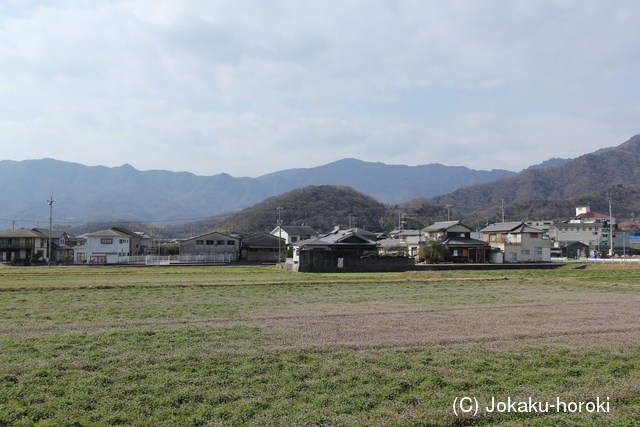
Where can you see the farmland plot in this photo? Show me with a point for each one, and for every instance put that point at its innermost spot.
(163, 346)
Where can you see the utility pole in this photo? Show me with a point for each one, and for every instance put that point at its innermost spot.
(279, 208)
(50, 203)
(502, 205)
(610, 228)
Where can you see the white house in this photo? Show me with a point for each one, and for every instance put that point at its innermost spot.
(103, 247)
(294, 233)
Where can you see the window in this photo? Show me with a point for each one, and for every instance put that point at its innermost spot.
(537, 251)
(199, 242)
(220, 242)
(209, 242)
(533, 235)
(231, 242)
(123, 241)
(492, 238)
(525, 252)
(106, 241)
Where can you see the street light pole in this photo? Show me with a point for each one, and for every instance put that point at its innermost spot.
(50, 203)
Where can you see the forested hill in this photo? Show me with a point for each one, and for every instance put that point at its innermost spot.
(320, 207)
(586, 174)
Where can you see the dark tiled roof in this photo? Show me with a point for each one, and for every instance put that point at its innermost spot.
(510, 227)
(458, 241)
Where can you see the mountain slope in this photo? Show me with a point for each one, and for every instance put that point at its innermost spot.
(319, 206)
(586, 174)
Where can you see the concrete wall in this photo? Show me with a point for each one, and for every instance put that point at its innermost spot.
(346, 261)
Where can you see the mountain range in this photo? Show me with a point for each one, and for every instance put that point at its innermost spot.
(539, 192)
(98, 193)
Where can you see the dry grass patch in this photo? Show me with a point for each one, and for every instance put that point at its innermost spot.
(351, 350)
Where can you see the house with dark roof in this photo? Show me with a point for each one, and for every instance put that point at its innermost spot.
(23, 244)
(517, 242)
(262, 247)
(61, 244)
(457, 237)
(342, 251)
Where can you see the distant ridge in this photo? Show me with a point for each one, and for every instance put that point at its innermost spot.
(98, 193)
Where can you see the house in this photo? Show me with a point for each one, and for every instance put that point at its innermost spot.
(262, 247)
(412, 239)
(342, 251)
(23, 244)
(517, 242)
(457, 237)
(213, 246)
(61, 244)
(294, 233)
(139, 243)
(106, 246)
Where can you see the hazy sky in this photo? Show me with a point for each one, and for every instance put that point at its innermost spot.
(252, 87)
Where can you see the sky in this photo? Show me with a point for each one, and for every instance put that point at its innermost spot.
(249, 87)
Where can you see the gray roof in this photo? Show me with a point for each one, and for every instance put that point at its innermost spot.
(391, 242)
(264, 240)
(211, 233)
(510, 227)
(23, 232)
(458, 241)
(55, 234)
(409, 233)
(444, 225)
(339, 238)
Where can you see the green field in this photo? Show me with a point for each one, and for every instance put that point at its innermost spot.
(236, 346)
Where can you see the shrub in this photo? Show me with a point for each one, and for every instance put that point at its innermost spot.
(433, 252)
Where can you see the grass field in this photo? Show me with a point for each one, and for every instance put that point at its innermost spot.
(235, 346)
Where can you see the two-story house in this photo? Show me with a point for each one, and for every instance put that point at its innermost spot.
(518, 242)
(457, 237)
(61, 244)
(23, 244)
(105, 246)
